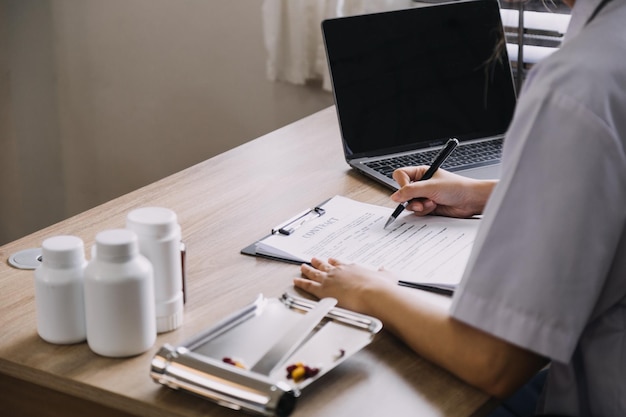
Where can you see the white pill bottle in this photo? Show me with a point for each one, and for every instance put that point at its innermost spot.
(119, 296)
(160, 241)
(59, 290)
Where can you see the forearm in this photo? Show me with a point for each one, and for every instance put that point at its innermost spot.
(478, 358)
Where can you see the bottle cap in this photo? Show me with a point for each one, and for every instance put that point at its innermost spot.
(116, 245)
(63, 252)
(156, 222)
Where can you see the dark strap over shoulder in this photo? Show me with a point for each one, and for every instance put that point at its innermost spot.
(597, 10)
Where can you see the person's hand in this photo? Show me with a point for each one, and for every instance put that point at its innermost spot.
(445, 194)
(353, 286)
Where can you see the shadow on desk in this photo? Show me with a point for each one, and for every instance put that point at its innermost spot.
(23, 399)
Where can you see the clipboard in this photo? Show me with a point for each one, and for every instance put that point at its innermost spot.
(286, 228)
(433, 248)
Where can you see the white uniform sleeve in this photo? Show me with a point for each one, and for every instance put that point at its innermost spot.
(545, 244)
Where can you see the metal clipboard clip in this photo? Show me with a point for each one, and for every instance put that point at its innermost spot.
(296, 222)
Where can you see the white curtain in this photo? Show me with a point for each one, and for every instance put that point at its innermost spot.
(293, 36)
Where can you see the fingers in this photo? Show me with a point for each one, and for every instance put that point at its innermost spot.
(308, 285)
(410, 185)
(321, 265)
(407, 175)
(422, 206)
(312, 273)
(335, 262)
(420, 189)
(315, 274)
(318, 270)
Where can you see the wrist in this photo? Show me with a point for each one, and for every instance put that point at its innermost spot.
(372, 296)
(480, 192)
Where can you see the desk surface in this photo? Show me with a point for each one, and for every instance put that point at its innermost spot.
(224, 204)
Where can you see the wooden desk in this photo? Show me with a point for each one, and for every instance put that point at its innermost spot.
(223, 204)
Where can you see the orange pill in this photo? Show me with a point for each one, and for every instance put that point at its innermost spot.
(298, 373)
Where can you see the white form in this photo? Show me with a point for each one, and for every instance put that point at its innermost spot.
(430, 249)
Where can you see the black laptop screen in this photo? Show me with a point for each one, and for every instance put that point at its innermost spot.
(414, 77)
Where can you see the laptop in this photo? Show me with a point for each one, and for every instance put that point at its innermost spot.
(406, 81)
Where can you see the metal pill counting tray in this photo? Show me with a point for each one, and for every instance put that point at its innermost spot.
(228, 363)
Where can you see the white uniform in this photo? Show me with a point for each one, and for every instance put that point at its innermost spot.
(548, 271)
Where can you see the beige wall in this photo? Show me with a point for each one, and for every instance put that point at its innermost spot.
(99, 97)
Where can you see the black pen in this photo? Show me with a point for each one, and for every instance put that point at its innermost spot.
(443, 289)
(434, 166)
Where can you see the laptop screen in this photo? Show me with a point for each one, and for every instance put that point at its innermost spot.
(413, 78)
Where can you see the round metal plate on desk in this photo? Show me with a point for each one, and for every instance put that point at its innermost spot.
(26, 259)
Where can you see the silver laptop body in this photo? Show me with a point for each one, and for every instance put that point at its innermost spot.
(406, 81)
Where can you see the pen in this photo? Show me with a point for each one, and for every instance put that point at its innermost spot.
(443, 289)
(434, 166)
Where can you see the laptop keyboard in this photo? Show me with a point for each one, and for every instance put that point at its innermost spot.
(465, 155)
